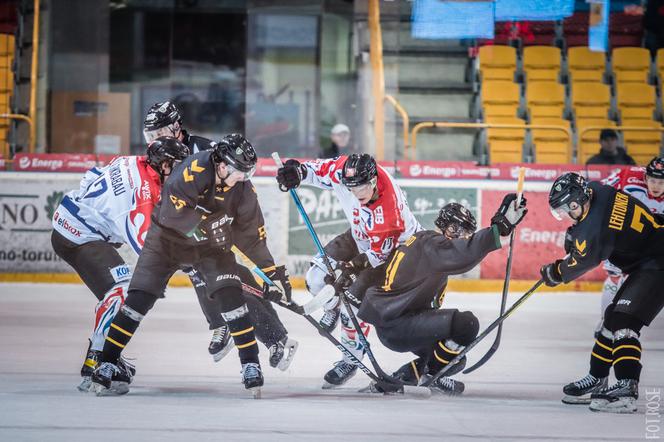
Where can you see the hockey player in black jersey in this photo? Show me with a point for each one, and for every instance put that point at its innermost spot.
(207, 205)
(610, 224)
(165, 118)
(406, 308)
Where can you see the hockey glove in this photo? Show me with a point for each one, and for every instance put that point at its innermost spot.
(508, 216)
(218, 230)
(346, 273)
(290, 175)
(551, 274)
(281, 291)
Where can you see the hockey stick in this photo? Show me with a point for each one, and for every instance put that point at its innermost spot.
(506, 284)
(485, 333)
(313, 305)
(387, 383)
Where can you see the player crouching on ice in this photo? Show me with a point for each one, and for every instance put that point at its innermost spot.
(112, 207)
(406, 307)
(610, 224)
(379, 219)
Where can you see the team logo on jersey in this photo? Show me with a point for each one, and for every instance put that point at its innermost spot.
(387, 246)
(580, 246)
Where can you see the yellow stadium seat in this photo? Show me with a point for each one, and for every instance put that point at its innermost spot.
(660, 64)
(545, 99)
(636, 100)
(5, 61)
(630, 65)
(6, 80)
(505, 151)
(503, 119)
(7, 44)
(541, 63)
(590, 100)
(551, 146)
(506, 145)
(500, 98)
(646, 137)
(497, 62)
(585, 65)
(4, 105)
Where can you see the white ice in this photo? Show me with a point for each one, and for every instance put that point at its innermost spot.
(179, 393)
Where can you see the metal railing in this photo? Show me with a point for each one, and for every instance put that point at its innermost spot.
(457, 125)
(406, 125)
(32, 110)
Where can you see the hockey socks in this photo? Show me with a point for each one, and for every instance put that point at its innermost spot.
(125, 323)
(242, 332)
(627, 354)
(443, 353)
(105, 311)
(601, 356)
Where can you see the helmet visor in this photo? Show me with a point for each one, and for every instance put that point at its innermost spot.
(245, 175)
(172, 130)
(561, 212)
(363, 188)
(453, 231)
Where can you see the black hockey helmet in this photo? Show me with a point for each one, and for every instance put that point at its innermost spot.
(359, 170)
(166, 150)
(455, 221)
(237, 152)
(162, 119)
(568, 188)
(655, 168)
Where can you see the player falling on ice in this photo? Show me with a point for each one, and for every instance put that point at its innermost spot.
(611, 224)
(406, 308)
(380, 220)
(112, 207)
(164, 118)
(207, 205)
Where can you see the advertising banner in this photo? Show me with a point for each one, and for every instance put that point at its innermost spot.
(539, 240)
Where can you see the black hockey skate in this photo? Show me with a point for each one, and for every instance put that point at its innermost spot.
(339, 375)
(282, 353)
(578, 393)
(111, 380)
(221, 343)
(618, 398)
(330, 319)
(443, 385)
(89, 365)
(252, 377)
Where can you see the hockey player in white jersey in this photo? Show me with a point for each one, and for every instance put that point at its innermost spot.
(380, 221)
(112, 207)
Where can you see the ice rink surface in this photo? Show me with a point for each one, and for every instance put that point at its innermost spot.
(180, 394)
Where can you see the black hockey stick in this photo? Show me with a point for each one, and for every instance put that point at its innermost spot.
(506, 283)
(385, 382)
(485, 333)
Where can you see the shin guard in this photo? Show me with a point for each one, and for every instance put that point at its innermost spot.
(105, 311)
(349, 336)
(626, 354)
(242, 331)
(601, 356)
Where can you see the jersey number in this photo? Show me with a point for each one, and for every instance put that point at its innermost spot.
(99, 187)
(177, 202)
(637, 219)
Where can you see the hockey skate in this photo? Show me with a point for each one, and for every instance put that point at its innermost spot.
(221, 343)
(618, 398)
(579, 392)
(330, 319)
(252, 377)
(89, 365)
(111, 380)
(443, 385)
(339, 375)
(282, 353)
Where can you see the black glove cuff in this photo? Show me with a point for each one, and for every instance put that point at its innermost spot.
(360, 262)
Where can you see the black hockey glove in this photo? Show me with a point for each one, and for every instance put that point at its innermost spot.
(508, 216)
(281, 291)
(218, 230)
(551, 275)
(290, 175)
(346, 272)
